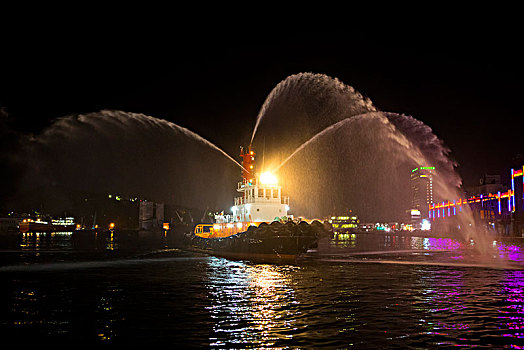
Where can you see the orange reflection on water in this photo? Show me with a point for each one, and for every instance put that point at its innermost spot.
(264, 277)
(252, 305)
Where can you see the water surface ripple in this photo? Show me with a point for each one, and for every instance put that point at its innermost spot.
(342, 296)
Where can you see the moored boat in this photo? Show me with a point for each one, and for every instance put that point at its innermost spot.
(259, 226)
(47, 225)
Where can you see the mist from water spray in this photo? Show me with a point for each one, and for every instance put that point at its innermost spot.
(127, 153)
(323, 133)
(148, 123)
(393, 139)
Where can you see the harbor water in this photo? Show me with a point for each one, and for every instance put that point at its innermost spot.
(369, 291)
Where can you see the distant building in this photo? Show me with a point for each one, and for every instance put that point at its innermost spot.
(151, 215)
(487, 184)
(421, 192)
(501, 212)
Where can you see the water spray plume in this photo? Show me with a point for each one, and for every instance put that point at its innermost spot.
(334, 139)
(110, 116)
(324, 132)
(303, 85)
(130, 153)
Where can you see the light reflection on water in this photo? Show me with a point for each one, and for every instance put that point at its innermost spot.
(494, 252)
(512, 312)
(45, 240)
(253, 305)
(204, 301)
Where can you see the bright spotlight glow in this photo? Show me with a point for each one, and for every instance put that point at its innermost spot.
(426, 225)
(268, 179)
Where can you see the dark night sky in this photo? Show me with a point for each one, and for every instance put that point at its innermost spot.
(467, 87)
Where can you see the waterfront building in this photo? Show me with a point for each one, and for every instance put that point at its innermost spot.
(502, 211)
(151, 215)
(487, 184)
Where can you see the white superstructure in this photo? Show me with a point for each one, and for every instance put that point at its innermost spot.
(261, 201)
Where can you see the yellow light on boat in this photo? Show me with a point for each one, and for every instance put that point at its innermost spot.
(268, 179)
(216, 227)
(239, 225)
(111, 225)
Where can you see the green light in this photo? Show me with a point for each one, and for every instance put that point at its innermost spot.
(424, 168)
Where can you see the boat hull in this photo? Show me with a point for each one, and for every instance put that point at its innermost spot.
(275, 242)
(25, 227)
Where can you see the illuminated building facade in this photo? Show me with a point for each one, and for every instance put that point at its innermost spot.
(502, 211)
(421, 191)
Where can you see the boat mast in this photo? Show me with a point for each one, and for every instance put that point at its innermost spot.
(248, 164)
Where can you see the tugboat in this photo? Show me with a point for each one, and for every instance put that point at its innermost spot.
(259, 227)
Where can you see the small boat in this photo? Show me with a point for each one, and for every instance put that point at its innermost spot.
(259, 226)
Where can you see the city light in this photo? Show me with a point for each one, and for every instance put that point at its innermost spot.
(426, 225)
(487, 205)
